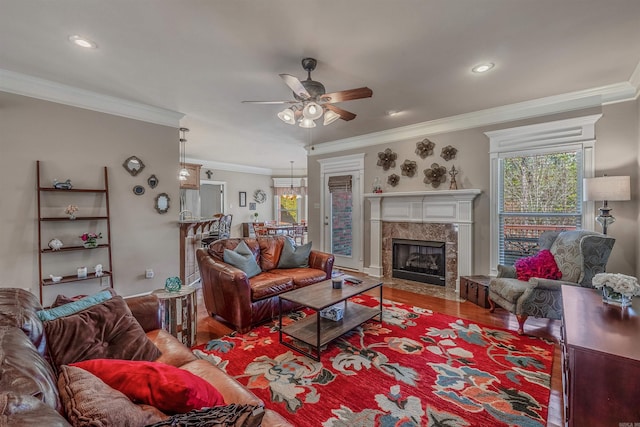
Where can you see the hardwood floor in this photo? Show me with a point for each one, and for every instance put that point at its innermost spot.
(209, 328)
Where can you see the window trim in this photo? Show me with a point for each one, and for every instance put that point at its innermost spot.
(570, 134)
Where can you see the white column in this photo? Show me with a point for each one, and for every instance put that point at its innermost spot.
(375, 248)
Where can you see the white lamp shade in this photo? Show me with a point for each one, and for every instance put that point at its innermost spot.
(607, 188)
(312, 111)
(307, 123)
(330, 117)
(184, 172)
(288, 116)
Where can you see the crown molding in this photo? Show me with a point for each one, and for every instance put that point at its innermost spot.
(635, 79)
(230, 167)
(33, 87)
(618, 92)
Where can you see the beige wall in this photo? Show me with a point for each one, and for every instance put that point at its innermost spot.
(76, 143)
(616, 153)
(249, 183)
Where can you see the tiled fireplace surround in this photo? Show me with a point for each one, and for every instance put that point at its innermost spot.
(442, 216)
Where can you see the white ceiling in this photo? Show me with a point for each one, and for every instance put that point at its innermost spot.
(202, 58)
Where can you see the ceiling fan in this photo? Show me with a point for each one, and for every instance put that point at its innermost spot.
(312, 102)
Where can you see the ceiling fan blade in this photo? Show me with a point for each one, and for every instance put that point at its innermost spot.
(344, 114)
(347, 95)
(295, 85)
(269, 102)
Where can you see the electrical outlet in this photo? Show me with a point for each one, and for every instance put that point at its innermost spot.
(148, 273)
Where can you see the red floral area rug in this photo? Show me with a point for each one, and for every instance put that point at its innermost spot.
(417, 368)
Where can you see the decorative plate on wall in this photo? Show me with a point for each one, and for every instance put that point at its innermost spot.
(387, 159)
(260, 196)
(152, 181)
(424, 148)
(435, 175)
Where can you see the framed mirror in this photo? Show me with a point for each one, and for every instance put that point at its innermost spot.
(133, 165)
(152, 181)
(138, 190)
(162, 203)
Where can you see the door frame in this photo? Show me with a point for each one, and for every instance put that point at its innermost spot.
(350, 164)
(224, 191)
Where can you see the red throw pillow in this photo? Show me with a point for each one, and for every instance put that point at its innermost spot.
(542, 265)
(170, 389)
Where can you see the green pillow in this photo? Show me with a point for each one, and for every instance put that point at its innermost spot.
(73, 307)
(242, 258)
(294, 256)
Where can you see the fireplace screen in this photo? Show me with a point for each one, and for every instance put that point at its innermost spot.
(422, 261)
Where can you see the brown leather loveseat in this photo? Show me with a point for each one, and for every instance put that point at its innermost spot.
(246, 302)
(30, 383)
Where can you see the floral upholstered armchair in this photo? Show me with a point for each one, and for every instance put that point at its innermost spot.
(578, 254)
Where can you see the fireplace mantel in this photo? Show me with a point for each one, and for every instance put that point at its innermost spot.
(443, 206)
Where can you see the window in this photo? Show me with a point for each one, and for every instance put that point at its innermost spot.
(536, 184)
(288, 209)
(538, 192)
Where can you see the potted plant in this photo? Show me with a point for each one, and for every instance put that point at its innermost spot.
(90, 240)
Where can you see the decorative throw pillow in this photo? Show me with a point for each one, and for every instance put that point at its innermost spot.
(230, 415)
(242, 258)
(170, 389)
(104, 331)
(542, 265)
(294, 256)
(88, 401)
(73, 306)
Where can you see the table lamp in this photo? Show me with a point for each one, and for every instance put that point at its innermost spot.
(606, 188)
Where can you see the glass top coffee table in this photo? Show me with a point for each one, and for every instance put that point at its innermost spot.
(317, 331)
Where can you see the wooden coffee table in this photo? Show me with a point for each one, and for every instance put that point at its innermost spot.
(317, 331)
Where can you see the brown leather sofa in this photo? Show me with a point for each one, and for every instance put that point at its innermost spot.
(28, 383)
(243, 302)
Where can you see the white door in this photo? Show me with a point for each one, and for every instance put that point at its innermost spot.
(342, 211)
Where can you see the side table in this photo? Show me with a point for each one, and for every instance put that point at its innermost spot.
(475, 289)
(179, 312)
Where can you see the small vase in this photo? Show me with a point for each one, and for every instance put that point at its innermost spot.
(609, 296)
(72, 216)
(90, 244)
(173, 284)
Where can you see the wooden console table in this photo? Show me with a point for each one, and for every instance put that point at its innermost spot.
(600, 360)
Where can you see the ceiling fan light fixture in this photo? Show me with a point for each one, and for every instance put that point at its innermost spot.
(330, 117)
(307, 123)
(288, 116)
(312, 111)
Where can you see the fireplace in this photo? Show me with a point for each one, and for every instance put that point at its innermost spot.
(440, 216)
(419, 260)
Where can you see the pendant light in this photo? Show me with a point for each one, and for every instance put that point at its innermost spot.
(184, 173)
(291, 194)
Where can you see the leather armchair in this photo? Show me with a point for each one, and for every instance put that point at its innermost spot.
(580, 255)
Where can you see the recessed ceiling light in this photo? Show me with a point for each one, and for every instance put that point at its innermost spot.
(82, 42)
(483, 68)
(393, 112)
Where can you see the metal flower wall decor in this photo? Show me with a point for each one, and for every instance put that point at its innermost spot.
(424, 148)
(448, 153)
(408, 168)
(435, 175)
(387, 159)
(393, 180)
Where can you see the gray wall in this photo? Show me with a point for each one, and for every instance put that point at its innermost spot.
(76, 143)
(617, 134)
